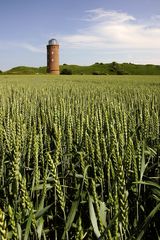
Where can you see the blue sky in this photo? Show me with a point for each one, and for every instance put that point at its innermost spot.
(88, 31)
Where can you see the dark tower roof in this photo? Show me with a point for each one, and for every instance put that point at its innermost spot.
(53, 41)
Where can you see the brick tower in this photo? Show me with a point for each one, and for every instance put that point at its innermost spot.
(53, 57)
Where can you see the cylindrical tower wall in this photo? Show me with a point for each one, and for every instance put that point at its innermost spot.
(53, 59)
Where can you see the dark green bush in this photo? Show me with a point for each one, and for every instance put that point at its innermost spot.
(66, 71)
(96, 73)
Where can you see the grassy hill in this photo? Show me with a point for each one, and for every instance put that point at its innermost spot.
(26, 70)
(95, 69)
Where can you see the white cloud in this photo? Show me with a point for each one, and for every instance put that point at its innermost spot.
(112, 29)
(100, 14)
(32, 48)
(17, 45)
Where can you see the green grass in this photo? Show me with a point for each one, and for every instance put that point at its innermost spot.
(145, 80)
(79, 157)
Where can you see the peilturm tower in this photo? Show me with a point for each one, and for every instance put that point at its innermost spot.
(53, 57)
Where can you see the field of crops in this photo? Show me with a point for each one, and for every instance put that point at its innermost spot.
(79, 157)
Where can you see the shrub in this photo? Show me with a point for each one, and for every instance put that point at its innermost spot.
(96, 73)
(66, 71)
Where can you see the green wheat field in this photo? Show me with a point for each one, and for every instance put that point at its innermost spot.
(79, 157)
